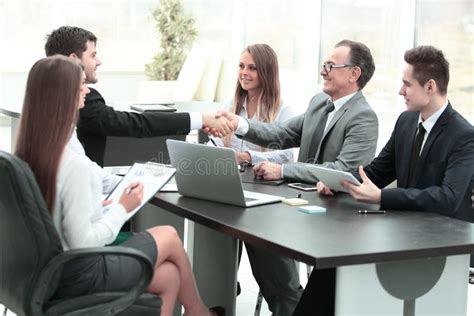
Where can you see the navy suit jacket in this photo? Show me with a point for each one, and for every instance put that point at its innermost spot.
(444, 171)
(97, 121)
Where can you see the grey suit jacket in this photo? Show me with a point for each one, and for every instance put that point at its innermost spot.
(349, 141)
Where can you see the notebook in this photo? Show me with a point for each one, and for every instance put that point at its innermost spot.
(211, 173)
(150, 107)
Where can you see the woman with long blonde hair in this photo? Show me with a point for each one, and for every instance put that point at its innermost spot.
(257, 97)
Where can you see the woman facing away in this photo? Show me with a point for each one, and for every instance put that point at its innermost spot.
(257, 97)
(54, 94)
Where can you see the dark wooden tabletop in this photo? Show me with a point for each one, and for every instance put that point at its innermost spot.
(335, 238)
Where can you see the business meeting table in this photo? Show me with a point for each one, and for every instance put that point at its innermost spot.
(397, 263)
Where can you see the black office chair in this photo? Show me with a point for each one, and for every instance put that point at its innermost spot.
(471, 268)
(32, 256)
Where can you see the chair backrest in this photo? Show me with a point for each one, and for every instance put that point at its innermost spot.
(190, 74)
(227, 80)
(28, 239)
(144, 149)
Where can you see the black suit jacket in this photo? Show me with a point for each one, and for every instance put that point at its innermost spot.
(444, 170)
(443, 181)
(97, 121)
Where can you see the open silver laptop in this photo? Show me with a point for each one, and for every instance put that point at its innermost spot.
(211, 173)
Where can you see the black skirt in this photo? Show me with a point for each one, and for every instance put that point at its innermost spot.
(103, 273)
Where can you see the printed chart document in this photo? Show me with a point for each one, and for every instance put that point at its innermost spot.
(153, 176)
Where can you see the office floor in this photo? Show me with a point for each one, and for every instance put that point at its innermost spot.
(247, 299)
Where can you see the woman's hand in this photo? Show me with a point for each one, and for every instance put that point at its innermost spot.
(132, 196)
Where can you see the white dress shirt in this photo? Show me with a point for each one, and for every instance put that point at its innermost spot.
(429, 123)
(78, 214)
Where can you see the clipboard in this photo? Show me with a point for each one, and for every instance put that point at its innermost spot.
(153, 176)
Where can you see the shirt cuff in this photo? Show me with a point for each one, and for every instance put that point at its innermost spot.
(196, 120)
(242, 127)
(282, 167)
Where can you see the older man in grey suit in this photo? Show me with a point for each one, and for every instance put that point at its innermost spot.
(339, 130)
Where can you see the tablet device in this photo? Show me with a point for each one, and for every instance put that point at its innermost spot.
(332, 178)
(152, 108)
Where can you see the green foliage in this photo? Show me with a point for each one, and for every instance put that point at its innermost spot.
(177, 31)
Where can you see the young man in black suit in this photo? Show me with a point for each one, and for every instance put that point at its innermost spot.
(97, 120)
(430, 154)
(436, 177)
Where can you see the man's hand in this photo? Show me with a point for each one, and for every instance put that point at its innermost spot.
(233, 118)
(366, 192)
(243, 156)
(217, 126)
(323, 189)
(267, 171)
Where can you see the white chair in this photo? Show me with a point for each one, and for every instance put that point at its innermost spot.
(197, 80)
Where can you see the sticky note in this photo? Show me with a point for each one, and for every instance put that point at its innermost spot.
(312, 209)
(295, 201)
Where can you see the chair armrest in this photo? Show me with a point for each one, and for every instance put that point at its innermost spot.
(56, 264)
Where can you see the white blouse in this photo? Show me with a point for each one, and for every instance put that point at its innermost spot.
(78, 215)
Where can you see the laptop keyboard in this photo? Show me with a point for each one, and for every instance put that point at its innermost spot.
(249, 199)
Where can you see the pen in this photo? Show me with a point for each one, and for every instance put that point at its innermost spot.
(129, 190)
(213, 142)
(371, 212)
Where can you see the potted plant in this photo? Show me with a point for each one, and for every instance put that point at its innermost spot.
(177, 32)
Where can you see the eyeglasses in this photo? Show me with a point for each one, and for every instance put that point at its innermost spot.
(329, 67)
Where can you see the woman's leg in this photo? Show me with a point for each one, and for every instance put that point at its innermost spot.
(170, 249)
(166, 283)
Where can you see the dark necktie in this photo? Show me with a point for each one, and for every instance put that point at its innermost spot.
(319, 131)
(415, 153)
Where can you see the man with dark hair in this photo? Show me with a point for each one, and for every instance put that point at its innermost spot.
(433, 145)
(97, 120)
(339, 130)
(430, 154)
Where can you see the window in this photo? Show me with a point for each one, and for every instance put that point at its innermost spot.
(449, 26)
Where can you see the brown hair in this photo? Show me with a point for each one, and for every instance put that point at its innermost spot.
(361, 57)
(67, 40)
(429, 63)
(50, 112)
(267, 68)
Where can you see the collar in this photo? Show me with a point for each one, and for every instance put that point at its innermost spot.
(431, 121)
(340, 102)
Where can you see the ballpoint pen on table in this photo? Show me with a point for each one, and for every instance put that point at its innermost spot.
(371, 212)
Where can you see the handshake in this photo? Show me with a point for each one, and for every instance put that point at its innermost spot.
(220, 123)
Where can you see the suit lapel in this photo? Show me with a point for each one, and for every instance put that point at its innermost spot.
(337, 116)
(432, 136)
(312, 146)
(407, 142)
